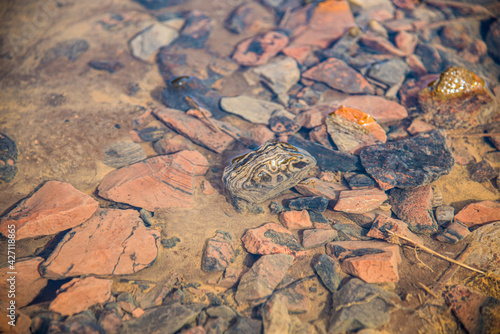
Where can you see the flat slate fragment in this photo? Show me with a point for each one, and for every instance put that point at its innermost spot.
(409, 163)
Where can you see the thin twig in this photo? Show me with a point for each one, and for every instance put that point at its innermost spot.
(451, 270)
(430, 251)
(429, 291)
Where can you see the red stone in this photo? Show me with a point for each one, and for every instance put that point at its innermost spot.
(414, 206)
(406, 42)
(258, 50)
(321, 136)
(111, 242)
(218, 253)
(360, 201)
(317, 237)
(373, 268)
(295, 220)
(28, 283)
(382, 224)
(55, 207)
(271, 238)
(380, 44)
(260, 133)
(158, 182)
(418, 126)
(479, 213)
(195, 129)
(207, 188)
(231, 277)
(317, 187)
(454, 233)
(416, 65)
(173, 145)
(310, 118)
(300, 53)
(80, 293)
(384, 111)
(342, 249)
(338, 75)
(405, 4)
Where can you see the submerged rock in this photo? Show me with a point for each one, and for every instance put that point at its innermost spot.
(271, 238)
(409, 163)
(219, 252)
(251, 109)
(258, 50)
(250, 17)
(123, 154)
(150, 40)
(8, 158)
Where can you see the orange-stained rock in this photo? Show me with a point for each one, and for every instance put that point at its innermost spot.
(28, 282)
(295, 220)
(80, 293)
(271, 238)
(112, 242)
(159, 182)
(352, 130)
(360, 200)
(373, 268)
(340, 76)
(343, 249)
(55, 207)
(383, 110)
(319, 24)
(479, 213)
(316, 187)
(195, 129)
(382, 224)
(258, 50)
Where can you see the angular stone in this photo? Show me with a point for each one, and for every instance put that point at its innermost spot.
(195, 31)
(444, 214)
(295, 220)
(373, 268)
(296, 298)
(111, 242)
(149, 41)
(110, 321)
(80, 293)
(193, 128)
(173, 145)
(316, 203)
(26, 286)
(251, 109)
(358, 305)
(317, 237)
(485, 244)
(341, 250)
(215, 325)
(418, 126)
(414, 206)
(350, 231)
(275, 317)
(326, 269)
(250, 18)
(271, 238)
(258, 50)
(360, 201)
(454, 233)
(477, 312)
(166, 319)
(359, 181)
(409, 163)
(328, 159)
(406, 42)
(264, 276)
(318, 217)
(383, 110)
(231, 277)
(382, 224)
(246, 325)
(316, 187)
(122, 154)
(479, 213)
(391, 72)
(283, 126)
(381, 44)
(158, 182)
(219, 252)
(53, 208)
(483, 172)
(338, 75)
(352, 130)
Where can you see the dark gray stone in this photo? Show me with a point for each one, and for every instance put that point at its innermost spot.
(430, 57)
(360, 181)
(195, 32)
(327, 271)
(409, 163)
(317, 217)
(346, 231)
(247, 326)
(8, 159)
(158, 4)
(390, 72)
(314, 203)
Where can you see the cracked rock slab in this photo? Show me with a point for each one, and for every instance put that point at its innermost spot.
(111, 242)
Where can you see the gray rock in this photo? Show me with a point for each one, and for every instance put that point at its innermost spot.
(444, 214)
(151, 39)
(275, 317)
(123, 154)
(493, 41)
(485, 243)
(221, 311)
(251, 109)
(358, 305)
(390, 72)
(327, 271)
(164, 319)
(247, 326)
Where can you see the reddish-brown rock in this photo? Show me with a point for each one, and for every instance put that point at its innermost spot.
(158, 182)
(218, 253)
(264, 276)
(338, 75)
(310, 118)
(80, 293)
(406, 42)
(27, 283)
(55, 207)
(382, 224)
(317, 237)
(320, 135)
(207, 188)
(195, 129)
(373, 268)
(454, 233)
(384, 111)
(271, 238)
(479, 213)
(360, 200)
(319, 24)
(417, 126)
(316, 187)
(172, 145)
(380, 44)
(111, 242)
(231, 277)
(414, 206)
(477, 312)
(345, 249)
(258, 50)
(416, 66)
(295, 220)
